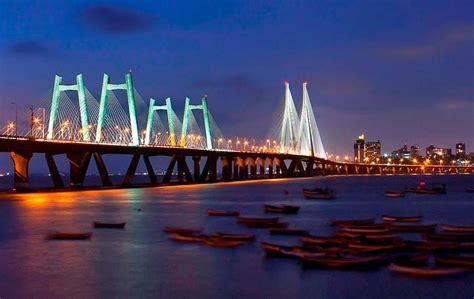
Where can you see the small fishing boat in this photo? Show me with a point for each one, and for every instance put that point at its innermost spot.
(351, 222)
(454, 237)
(455, 260)
(211, 212)
(323, 241)
(364, 230)
(319, 193)
(69, 236)
(370, 248)
(97, 224)
(285, 209)
(470, 190)
(433, 245)
(394, 194)
(417, 270)
(411, 228)
(365, 226)
(267, 224)
(402, 218)
(180, 230)
(190, 237)
(288, 231)
(290, 251)
(423, 189)
(237, 237)
(259, 220)
(220, 242)
(343, 262)
(457, 229)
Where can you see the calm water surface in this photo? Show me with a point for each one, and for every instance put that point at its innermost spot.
(141, 262)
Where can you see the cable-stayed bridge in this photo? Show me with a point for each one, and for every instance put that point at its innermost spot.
(71, 121)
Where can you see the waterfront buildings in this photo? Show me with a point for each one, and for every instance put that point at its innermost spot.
(367, 151)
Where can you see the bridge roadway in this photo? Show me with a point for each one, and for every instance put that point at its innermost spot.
(234, 165)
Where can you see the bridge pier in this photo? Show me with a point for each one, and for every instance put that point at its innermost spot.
(197, 168)
(21, 162)
(270, 167)
(53, 171)
(104, 174)
(226, 168)
(132, 168)
(183, 170)
(78, 164)
(150, 170)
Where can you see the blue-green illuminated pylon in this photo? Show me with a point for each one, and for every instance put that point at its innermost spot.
(207, 124)
(128, 86)
(170, 115)
(81, 92)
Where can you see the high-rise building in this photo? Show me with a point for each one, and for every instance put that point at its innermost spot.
(433, 152)
(359, 149)
(430, 151)
(460, 150)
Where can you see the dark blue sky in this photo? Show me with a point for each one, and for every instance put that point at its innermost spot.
(398, 71)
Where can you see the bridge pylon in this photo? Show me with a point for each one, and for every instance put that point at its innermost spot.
(128, 86)
(170, 115)
(81, 92)
(207, 124)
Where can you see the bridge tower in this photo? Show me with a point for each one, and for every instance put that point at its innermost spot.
(308, 132)
(128, 86)
(289, 128)
(170, 115)
(207, 124)
(81, 92)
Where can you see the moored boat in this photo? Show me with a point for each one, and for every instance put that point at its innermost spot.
(285, 209)
(411, 228)
(423, 189)
(365, 230)
(256, 219)
(189, 237)
(290, 251)
(323, 241)
(457, 229)
(343, 262)
(266, 224)
(394, 194)
(411, 269)
(69, 236)
(402, 218)
(319, 193)
(288, 231)
(455, 237)
(470, 190)
(220, 242)
(212, 212)
(455, 260)
(97, 224)
(339, 222)
(239, 237)
(180, 230)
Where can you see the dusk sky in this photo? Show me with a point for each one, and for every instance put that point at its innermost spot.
(398, 71)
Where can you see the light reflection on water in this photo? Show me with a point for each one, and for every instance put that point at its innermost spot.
(141, 261)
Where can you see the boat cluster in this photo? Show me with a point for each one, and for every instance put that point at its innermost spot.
(355, 243)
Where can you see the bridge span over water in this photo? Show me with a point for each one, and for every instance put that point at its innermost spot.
(74, 123)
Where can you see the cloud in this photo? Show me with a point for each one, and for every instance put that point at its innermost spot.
(236, 83)
(454, 104)
(439, 42)
(111, 19)
(29, 48)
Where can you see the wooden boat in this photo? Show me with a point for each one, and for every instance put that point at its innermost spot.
(423, 189)
(365, 230)
(259, 220)
(351, 222)
(343, 262)
(455, 260)
(97, 224)
(406, 268)
(267, 224)
(190, 237)
(394, 194)
(180, 230)
(288, 231)
(457, 229)
(286, 209)
(365, 226)
(323, 241)
(68, 236)
(411, 228)
(470, 190)
(238, 237)
(380, 237)
(433, 245)
(211, 212)
(402, 218)
(290, 251)
(219, 242)
(370, 248)
(454, 237)
(319, 193)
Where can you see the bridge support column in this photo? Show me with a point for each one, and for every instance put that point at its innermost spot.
(197, 168)
(169, 170)
(53, 171)
(270, 167)
(242, 169)
(253, 167)
(104, 174)
(236, 169)
(261, 167)
(150, 170)
(183, 170)
(20, 163)
(210, 169)
(78, 164)
(226, 168)
(132, 168)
